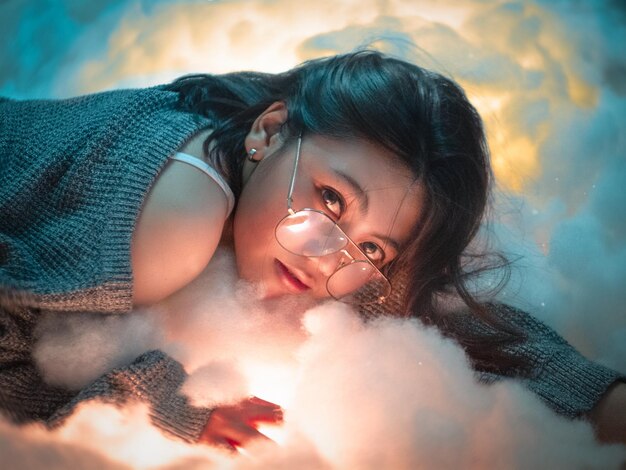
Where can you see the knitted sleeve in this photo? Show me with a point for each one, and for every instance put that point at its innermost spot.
(154, 378)
(562, 377)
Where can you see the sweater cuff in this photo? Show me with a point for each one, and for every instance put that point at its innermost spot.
(154, 378)
(571, 384)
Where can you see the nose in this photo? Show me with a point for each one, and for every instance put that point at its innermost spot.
(328, 264)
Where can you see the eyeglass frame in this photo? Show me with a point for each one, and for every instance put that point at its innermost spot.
(341, 265)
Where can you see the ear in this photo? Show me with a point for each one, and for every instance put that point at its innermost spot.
(264, 136)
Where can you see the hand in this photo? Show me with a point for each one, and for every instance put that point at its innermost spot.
(233, 426)
(608, 417)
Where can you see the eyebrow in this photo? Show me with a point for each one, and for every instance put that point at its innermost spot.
(363, 200)
(388, 242)
(357, 190)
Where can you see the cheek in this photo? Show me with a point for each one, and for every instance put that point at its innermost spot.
(245, 224)
(253, 231)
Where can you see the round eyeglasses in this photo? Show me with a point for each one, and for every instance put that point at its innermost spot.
(312, 233)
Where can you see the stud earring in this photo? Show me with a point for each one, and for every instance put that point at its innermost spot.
(251, 153)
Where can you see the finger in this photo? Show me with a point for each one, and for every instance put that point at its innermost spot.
(262, 412)
(229, 433)
(260, 401)
(265, 410)
(261, 406)
(273, 416)
(219, 440)
(231, 444)
(226, 444)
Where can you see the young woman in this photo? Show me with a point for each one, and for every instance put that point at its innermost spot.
(360, 177)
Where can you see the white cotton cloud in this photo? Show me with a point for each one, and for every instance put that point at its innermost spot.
(103, 437)
(214, 326)
(388, 393)
(216, 383)
(32, 447)
(74, 350)
(411, 401)
(219, 313)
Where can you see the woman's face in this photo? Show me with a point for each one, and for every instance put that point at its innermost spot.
(360, 185)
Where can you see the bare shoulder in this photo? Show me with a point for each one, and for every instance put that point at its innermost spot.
(177, 232)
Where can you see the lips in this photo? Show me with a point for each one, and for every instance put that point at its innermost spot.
(288, 278)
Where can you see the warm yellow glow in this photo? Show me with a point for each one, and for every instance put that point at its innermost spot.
(489, 103)
(219, 37)
(274, 36)
(531, 60)
(125, 435)
(450, 13)
(514, 161)
(271, 382)
(514, 155)
(582, 93)
(278, 434)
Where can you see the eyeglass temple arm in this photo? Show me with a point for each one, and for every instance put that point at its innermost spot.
(293, 176)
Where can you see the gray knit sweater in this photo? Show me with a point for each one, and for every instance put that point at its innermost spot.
(73, 175)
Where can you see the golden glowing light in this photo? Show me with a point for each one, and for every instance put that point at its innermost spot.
(276, 433)
(488, 103)
(221, 37)
(514, 161)
(271, 382)
(532, 60)
(125, 435)
(581, 92)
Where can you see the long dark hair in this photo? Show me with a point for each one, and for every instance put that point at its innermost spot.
(424, 118)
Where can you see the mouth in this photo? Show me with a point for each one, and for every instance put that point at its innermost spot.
(289, 279)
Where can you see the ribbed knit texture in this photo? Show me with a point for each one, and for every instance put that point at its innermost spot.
(73, 176)
(153, 378)
(564, 379)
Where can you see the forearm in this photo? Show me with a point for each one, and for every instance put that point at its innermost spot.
(569, 383)
(154, 378)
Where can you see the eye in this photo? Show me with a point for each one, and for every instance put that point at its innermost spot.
(373, 252)
(333, 201)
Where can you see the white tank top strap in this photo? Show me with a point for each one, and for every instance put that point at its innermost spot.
(211, 172)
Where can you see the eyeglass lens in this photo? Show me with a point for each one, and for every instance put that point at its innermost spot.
(358, 282)
(311, 233)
